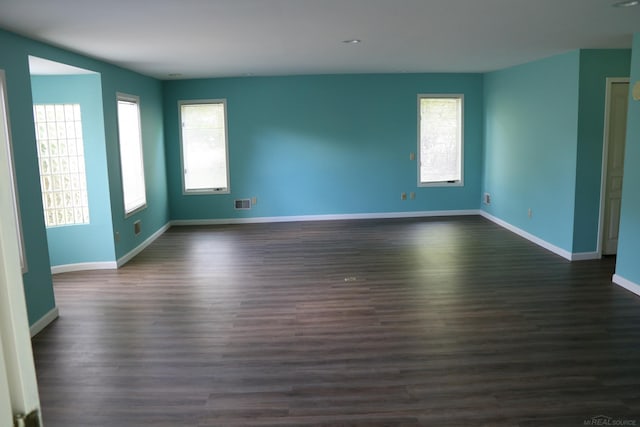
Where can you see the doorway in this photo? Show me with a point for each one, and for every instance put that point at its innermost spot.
(616, 105)
(72, 159)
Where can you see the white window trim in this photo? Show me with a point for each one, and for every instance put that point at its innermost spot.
(459, 183)
(208, 191)
(136, 99)
(4, 110)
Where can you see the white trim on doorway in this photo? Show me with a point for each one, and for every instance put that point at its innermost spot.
(605, 157)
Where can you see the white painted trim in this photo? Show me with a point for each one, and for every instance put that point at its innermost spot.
(209, 191)
(131, 99)
(534, 239)
(44, 321)
(84, 266)
(4, 110)
(605, 157)
(126, 258)
(18, 382)
(627, 284)
(338, 217)
(459, 96)
(585, 256)
(110, 265)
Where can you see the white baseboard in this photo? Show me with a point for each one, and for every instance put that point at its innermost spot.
(534, 239)
(627, 284)
(44, 321)
(126, 258)
(83, 266)
(585, 256)
(338, 217)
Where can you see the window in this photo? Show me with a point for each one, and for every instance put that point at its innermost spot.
(205, 161)
(440, 140)
(131, 159)
(61, 161)
(5, 135)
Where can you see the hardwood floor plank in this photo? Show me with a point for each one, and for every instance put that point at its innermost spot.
(439, 321)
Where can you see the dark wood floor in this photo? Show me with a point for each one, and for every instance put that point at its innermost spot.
(434, 322)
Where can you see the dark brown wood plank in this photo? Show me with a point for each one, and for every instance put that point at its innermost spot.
(442, 321)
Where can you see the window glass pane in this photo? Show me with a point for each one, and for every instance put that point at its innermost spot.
(58, 127)
(440, 139)
(131, 160)
(204, 147)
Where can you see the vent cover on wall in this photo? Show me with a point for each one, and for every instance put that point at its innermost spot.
(243, 204)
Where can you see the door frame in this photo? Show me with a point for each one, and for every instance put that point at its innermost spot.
(605, 156)
(18, 383)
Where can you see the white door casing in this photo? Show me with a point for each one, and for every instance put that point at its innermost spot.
(615, 135)
(18, 385)
(5, 397)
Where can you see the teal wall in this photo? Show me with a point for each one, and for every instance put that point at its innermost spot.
(544, 127)
(628, 265)
(156, 215)
(14, 52)
(595, 67)
(531, 133)
(37, 280)
(115, 79)
(91, 242)
(314, 145)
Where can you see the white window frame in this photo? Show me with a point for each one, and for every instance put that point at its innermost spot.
(456, 183)
(4, 112)
(135, 100)
(207, 191)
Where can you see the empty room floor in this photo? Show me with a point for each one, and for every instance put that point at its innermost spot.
(434, 322)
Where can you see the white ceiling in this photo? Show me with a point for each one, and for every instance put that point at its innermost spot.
(41, 66)
(213, 38)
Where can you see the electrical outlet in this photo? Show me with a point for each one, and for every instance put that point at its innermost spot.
(254, 200)
(403, 196)
(530, 213)
(412, 156)
(412, 195)
(487, 199)
(117, 236)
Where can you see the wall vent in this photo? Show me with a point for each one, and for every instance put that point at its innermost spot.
(243, 204)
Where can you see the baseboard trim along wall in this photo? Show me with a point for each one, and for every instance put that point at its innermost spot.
(627, 284)
(585, 256)
(83, 266)
(110, 265)
(338, 217)
(44, 321)
(149, 240)
(534, 239)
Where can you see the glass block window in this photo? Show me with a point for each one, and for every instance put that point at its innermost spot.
(61, 161)
(440, 139)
